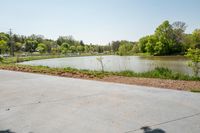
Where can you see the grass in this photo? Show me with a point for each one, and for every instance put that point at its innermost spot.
(195, 90)
(10, 60)
(162, 73)
(142, 54)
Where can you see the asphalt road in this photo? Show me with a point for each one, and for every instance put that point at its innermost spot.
(34, 103)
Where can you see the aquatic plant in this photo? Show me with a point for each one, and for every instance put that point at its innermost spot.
(100, 59)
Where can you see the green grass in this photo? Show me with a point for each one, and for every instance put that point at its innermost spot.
(142, 54)
(195, 90)
(162, 73)
(10, 60)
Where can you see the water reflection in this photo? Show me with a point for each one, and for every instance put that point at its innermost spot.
(118, 63)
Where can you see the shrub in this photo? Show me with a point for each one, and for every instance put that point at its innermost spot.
(194, 55)
(1, 59)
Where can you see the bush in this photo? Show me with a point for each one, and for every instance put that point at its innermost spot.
(1, 59)
(194, 55)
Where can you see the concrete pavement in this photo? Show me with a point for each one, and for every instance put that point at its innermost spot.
(34, 103)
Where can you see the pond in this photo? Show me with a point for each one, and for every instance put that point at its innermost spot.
(118, 63)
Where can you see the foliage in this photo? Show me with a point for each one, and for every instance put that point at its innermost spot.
(80, 48)
(178, 36)
(194, 55)
(168, 39)
(31, 45)
(3, 47)
(4, 36)
(195, 90)
(150, 45)
(196, 38)
(64, 48)
(72, 49)
(135, 48)
(125, 48)
(42, 48)
(164, 34)
(115, 46)
(1, 59)
(142, 44)
(162, 73)
(18, 46)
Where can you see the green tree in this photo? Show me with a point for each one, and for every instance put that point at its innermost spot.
(42, 48)
(73, 49)
(135, 48)
(188, 42)
(86, 49)
(91, 49)
(1, 59)
(49, 44)
(150, 45)
(164, 35)
(4, 36)
(125, 48)
(159, 48)
(66, 39)
(18, 46)
(82, 43)
(64, 48)
(178, 37)
(80, 48)
(115, 46)
(196, 38)
(142, 44)
(55, 50)
(3, 47)
(30, 45)
(194, 55)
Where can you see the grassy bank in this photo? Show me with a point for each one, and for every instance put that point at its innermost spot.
(10, 60)
(161, 73)
(17, 59)
(154, 78)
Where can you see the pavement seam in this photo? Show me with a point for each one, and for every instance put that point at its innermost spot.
(163, 123)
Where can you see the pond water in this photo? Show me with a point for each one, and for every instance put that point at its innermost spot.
(117, 63)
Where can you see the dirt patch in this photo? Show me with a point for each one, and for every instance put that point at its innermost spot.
(161, 83)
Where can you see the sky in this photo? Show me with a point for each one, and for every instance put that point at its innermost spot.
(95, 21)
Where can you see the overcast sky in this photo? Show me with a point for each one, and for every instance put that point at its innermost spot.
(95, 21)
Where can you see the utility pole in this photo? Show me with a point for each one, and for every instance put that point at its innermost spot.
(11, 43)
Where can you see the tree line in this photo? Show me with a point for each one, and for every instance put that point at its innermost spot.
(38, 44)
(168, 39)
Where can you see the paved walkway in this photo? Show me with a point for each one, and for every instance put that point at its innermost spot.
(33, 103)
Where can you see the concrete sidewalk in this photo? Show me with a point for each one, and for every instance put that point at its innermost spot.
(34, 103)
